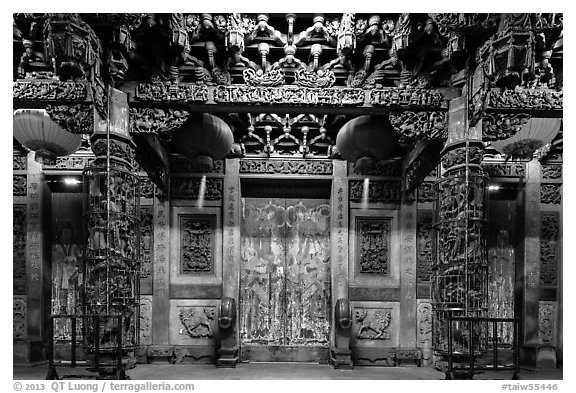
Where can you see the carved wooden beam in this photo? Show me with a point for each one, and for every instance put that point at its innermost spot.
(497, 126)
(421, 162)
(74, 118)
(153, 158)
(422, 125)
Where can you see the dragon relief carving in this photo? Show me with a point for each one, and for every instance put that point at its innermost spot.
(197, 321)
(372, 324)
(373, 246)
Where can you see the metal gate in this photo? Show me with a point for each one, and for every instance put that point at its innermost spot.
(285, 272)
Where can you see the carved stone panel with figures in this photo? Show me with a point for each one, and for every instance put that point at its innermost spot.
(372, 324)
(197, 244)
(373, 245)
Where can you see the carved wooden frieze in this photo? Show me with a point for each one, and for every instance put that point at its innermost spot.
(156, 120)
(197, 238)
(425, 246)
(551, 171)
(146, 240)
(550, 194)
(197, 322)
(172, 92)
(406, 97)
(546, 322)
(19, 185)
(19, 319)
(424, 125)
(515, 169)
(373, 245)
(19, 163)
(287, 167)
(291, 95)
(272, 77)
(68, 162)
(525, 99)
(426, 192)
(146, 320)
(189, 188)
(549, 243)
(378, 191)
(372, 323)
(497, 126)
(183, 165)
(77, 119)
(146, 187)
(49, 90)
(458, 157)
(19, 231)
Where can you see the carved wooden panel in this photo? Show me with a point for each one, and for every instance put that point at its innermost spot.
(285, 272)
(551, 171)
(19, 163)
(550, 194)
(515, 169)
(146, 240)
(19, 241)
(373, 245)
(146, 187)
(68, 162)
(549, 236)
(19, 319)
(197, 322)
(372, 323)
(426, 192)
(183, 165)
(197, 243)
(287, 167)
(425, 246)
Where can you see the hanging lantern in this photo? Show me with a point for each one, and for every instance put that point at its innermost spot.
(203, 138)
(366, 140)
(536, 133)
(36, 131)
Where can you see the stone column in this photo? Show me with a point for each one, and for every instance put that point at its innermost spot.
(459, 286)
(531, 270)
(339, 232)
(408, 274)
(37, 273)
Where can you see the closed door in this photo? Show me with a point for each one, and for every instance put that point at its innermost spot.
(285, 272)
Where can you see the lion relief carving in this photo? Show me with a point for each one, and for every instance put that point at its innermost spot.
(373, 324)
(197, 321)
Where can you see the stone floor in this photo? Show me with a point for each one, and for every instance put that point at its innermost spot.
(284, 371)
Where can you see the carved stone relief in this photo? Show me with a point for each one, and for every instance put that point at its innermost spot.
(49, 90)
(549, 237)
(117, 149)
(19, 319)
(378, 191)
(551, 171)
(146, 240)
(156, 120)
(68, 163)
(289, 95)
(19, 241)
(515, 169)
(389, 169)
(197, 321)
(302, 167)
(183, 165)
(525, 99)
(373, 245)
(146, 320)
(19, 185)
(425, 246)
(189, 188)
(146, 187)
(424, 125)
(172, 92)
(550, 194)
(411, 97)
(426, 192)
(497, 126)
(19, 163)
(424, 333)
(77, 119)
(458, 157)
(372, 323)
(546, 322)
(196, 241)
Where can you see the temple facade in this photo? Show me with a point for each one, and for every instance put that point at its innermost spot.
(329, 188)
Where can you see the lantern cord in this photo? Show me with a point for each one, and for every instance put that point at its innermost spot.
(108, 201)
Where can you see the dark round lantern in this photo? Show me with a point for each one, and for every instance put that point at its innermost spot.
(203, 138)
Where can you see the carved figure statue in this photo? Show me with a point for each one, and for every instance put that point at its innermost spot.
(30, 61)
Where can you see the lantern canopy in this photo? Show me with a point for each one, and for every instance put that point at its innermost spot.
(203, 138)
(366, 140)
(536, 133)
(36, 131)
